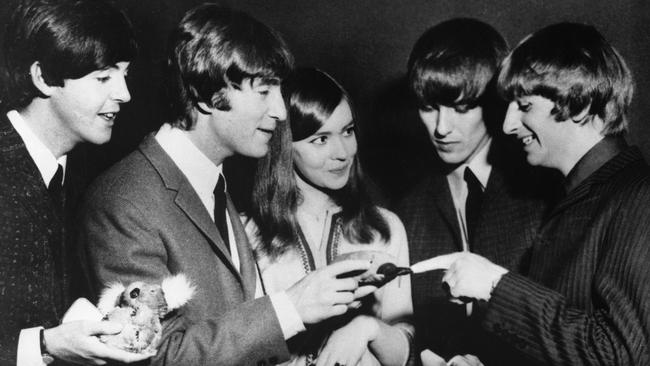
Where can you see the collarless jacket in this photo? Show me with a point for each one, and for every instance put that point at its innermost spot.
(587, 295)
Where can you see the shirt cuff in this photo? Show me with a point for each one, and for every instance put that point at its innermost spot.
(29, 348)
(287, 314)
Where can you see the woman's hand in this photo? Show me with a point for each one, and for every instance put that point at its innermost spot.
(466, 360)
(429, 358)
(347, 344)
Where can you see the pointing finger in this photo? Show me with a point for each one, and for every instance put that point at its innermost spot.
(440, 262)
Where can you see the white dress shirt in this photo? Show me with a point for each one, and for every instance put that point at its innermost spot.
(203, 176)
(481, 168)
(46, 162)
(29, 343)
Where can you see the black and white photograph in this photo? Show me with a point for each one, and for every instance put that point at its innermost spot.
(325, 183)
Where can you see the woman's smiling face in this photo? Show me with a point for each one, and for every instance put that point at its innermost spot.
(325, 158)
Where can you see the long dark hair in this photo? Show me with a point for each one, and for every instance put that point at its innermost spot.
(311, 96)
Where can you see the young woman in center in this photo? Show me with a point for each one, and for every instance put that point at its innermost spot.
(310, 206)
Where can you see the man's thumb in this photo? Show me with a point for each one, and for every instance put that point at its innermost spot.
(105, 327)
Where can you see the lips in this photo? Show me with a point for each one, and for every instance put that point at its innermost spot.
(109, 116)
(441, 142)
(527, 140)
(340, 171)
(445, 146)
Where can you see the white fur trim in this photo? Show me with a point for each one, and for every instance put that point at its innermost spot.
(177, 290)
(109, 298)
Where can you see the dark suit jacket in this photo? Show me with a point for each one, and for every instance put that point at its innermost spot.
(35, 267)
(510, 214)
(587, 298)
(142, 220)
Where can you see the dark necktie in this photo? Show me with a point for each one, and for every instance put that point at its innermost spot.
(473, 202)
(55, 188)
(220, 210)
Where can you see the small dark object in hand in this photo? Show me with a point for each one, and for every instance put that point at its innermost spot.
(382, 269)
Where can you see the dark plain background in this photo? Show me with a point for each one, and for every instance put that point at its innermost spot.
(365, 45)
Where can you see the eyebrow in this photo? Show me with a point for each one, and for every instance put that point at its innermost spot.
(327, 133)
(324, 133)
(265, 81)
(113, 66)
(352, 123)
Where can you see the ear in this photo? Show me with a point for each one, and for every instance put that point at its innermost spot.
(178, 290)
(110, 297)
(583, 115)
(37, 79)
(204, 108)
(219, 101)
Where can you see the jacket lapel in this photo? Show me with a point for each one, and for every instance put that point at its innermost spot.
(186, 198)
(495, 185)
(439, 190)
(247, 266)
(33, 189)
(18, 168)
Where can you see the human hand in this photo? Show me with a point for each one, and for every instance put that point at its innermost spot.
(346, 345)
(382, 267)
(467, 360)
(321, 294)
(431, 359)
(77, 342)
(468, 275)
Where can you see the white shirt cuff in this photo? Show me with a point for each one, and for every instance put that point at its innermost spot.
(29, 348)
(287, 314)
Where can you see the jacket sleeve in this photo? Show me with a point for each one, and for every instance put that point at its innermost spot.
(541, 322)
(121, 242)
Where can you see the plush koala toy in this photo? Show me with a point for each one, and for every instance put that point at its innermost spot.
(139, 307)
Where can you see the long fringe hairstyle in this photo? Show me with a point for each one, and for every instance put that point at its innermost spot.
(574, 66)
(311, 96)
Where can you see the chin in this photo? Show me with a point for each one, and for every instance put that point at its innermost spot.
(339, 184)
(532, 160)
(336, 187)
(452, 159)
(256, 152)
(99, 139)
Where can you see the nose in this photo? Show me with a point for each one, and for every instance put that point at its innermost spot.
(343, 147)
(512, 121)
(277, 109)
(120, 91)
(444, 123)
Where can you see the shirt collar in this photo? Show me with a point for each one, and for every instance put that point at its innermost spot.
(596, 157)
(45, 161)
(197, 168)
(479, 166)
